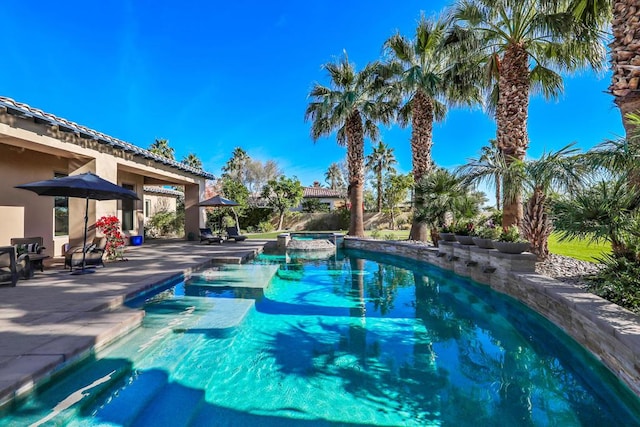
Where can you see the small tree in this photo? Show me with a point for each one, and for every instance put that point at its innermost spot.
(396, 190)
(282, 194)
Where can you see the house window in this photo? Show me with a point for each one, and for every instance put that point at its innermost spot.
(60, 212)
(147, 208)
(127, 210)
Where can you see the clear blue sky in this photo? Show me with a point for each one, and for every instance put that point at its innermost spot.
(212, 75)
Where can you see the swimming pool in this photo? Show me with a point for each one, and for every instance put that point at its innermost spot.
(356, 339)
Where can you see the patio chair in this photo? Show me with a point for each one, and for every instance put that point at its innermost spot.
(93, 254)
(233, 233)
(32, 246)
(206, 235)
(12, 267)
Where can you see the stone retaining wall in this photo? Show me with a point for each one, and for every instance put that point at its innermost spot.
(610, 332)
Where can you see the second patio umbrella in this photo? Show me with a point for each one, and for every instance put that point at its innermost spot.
(219, 201)
(86, 186)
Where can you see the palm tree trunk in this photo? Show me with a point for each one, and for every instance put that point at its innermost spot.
(379, 178)
(536, 225)
(498, 195)
(511, 118)
(625, 59)
(355, 160)
(421, 142)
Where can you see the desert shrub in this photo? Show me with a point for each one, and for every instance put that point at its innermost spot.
(314, 205)
(265, 227)
(165, 223)
(617, 282)
(389, 236)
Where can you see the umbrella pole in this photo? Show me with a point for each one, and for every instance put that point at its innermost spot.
(84, 270)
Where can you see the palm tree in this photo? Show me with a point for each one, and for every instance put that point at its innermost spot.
(352, 106)
(559, 171)
(491, 154)
(429, 79)
(438, 194)
(333, 177)
(193, 161)
(161, 148)
(525, 44)
(236, 166)
(381, 162)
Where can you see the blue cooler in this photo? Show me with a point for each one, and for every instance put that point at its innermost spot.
(135, 240)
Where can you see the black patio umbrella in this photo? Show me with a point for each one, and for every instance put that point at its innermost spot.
(219, 201)
(86, 186)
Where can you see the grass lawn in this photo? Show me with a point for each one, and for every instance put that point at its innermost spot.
(578, 249)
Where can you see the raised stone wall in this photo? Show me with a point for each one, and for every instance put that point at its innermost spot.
(609, 331)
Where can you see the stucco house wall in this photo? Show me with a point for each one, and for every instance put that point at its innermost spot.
(35, 146)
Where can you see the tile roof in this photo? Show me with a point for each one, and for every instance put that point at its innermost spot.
(25, 111)
(320, 192)
(162, 190)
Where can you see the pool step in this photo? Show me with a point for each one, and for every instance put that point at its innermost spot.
(254, 276)
(174, 405)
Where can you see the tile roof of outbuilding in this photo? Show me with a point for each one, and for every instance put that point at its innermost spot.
(26, 111)
(162, 190)
(320, 192)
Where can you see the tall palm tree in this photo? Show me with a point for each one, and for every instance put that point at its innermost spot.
(381, 162)
(236, 166)
(351, 106)
(525, 44)
(333, 177)
(192, 160)
(429, 79)
(161, 148)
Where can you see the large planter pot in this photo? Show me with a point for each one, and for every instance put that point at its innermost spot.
(511, 247)
(483, 243)
(447, 237)
(464, 240)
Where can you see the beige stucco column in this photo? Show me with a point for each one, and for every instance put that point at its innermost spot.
(194, 215)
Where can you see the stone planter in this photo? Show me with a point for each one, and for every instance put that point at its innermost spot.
(464, 240)
(447, 237)
(483, 243)
(511, 247)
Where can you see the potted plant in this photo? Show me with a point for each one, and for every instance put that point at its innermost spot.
(510, 241)
(464, 232)
(446, 233)
(486, 234)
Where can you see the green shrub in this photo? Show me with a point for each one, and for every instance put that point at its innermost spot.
(265, 227)
(314, 205)
(389, 236)
(165, 223)
(511, 234)
(375, 233)
(617, 282)
(487, 232)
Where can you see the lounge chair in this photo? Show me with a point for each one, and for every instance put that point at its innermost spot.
(206, 235)
(93, 254)
(232, 233)
(12, 268)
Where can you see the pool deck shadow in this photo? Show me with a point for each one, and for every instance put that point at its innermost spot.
(56, 318)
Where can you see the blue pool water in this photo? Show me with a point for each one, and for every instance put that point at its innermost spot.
(353, 340)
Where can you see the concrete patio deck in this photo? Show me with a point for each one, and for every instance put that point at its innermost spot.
(56, 318)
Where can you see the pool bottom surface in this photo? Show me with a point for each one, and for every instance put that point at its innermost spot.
(347, 341)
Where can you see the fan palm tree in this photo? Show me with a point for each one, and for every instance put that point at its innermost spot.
(333, 177)
(525, 44)
(236, 166)
(437, 195)
(557, 171)
(193, 161)
(429, 79)
(161, 148)
(381, 162)
(351, 106)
